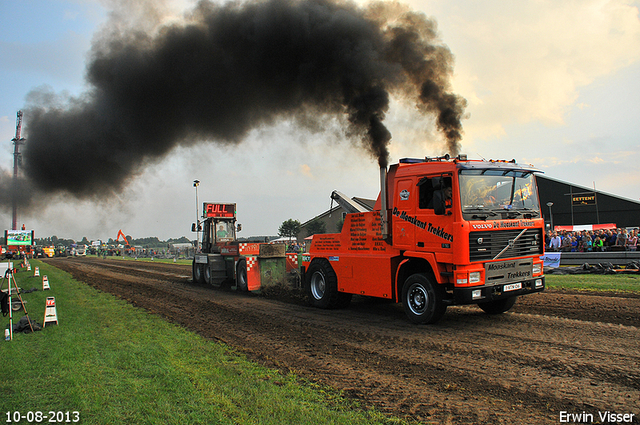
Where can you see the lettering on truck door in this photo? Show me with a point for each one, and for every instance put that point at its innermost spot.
(434, 232)
(404, 203)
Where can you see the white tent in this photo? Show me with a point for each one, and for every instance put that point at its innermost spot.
(284, 239)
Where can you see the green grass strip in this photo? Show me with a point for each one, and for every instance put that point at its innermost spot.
(595, 282)
(114, 363)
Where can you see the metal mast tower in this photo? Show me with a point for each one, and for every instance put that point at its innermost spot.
(17, 141)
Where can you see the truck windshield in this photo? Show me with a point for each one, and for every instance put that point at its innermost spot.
(224, 231)
(498, 190)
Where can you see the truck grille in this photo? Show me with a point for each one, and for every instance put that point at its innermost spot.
(486, 245)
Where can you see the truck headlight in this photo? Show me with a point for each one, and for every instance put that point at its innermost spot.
(537, 268)
(474, 277)
(476, 294)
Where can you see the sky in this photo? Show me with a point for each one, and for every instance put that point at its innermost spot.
(549, 83)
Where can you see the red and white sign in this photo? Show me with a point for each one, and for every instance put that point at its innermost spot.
(249, 248)
(50, 314)
(587, 227)
(220, 210)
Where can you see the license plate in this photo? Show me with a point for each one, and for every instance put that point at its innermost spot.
(201, 259)
(512, 287)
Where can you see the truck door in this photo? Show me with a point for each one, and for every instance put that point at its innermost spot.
(206, 236)
(404, 206)
(434, 218)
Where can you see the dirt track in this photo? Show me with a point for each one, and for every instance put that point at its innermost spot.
(554, 352)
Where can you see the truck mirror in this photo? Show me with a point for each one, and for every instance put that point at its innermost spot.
(239, 227)
(193, 227)
(439, 206)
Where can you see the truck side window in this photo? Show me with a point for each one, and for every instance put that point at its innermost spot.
(428, 186)
(426, 189)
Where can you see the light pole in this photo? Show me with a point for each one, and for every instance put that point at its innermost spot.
(196, 183)
(550, 204)
(17, 157)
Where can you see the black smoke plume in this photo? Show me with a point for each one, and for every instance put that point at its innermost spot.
(226, 69)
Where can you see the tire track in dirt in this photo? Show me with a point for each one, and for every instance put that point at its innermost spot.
(518, 368)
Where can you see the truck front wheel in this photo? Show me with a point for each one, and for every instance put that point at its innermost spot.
(322, 286)
(498, 306)
(198, 272)
(422, 299)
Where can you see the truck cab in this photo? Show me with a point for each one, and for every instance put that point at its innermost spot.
(453, 231)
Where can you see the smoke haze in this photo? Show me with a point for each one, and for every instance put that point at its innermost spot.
(224, 70)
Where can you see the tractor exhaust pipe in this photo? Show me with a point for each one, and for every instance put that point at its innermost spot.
(384, 222)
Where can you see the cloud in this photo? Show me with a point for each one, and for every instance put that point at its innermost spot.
(527, 61)
(305, 170)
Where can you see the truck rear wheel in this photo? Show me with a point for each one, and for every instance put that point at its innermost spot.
(322, 286)
(498, 306)
(241, 276)
(198, 272)
(422, 299)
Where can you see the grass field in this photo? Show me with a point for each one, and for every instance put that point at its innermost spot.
(594, 282)
(114, 363)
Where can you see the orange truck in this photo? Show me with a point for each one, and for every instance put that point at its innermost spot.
(444, 231)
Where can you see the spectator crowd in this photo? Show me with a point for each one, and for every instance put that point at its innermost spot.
(592, 240)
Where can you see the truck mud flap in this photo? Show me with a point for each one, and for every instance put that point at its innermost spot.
(253, 273)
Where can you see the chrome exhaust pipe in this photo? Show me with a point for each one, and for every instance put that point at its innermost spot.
(384, 214)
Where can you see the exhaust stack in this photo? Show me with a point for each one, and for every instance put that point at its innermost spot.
(384, 222)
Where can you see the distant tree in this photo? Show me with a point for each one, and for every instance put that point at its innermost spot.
(150, 242)
(55, 241)
(183, 239)
(316, 227)
(289, 228)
